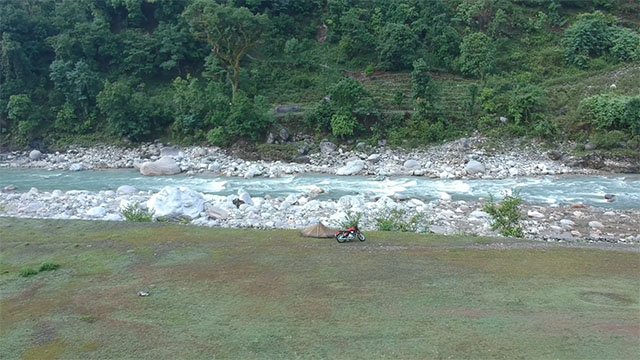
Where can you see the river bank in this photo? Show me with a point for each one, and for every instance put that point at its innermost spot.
(463, 159)
(474, 157)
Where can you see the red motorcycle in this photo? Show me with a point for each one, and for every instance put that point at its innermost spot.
(349, 235)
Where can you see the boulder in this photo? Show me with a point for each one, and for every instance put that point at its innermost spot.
(535, 214)
(244, 196)
(351, 168)
(374, 158)
(327, 147)
(412, 164)
(174, 202)
(166, 165)
(217, 213)
(77, 167)
(474, 167)
(126, 189)
(35, 155)
(596, 224)
(97, 212)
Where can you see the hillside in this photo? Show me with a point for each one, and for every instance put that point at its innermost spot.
(411, 72)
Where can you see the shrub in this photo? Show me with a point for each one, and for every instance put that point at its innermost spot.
(477, 55)
(588, 37)
(352, 219)
(612, 112)
(343, 125)
(398, 220)
(26, 272)
(625, 44)
(47, 266)
(608, 140)
(506, 215)
(134, 213)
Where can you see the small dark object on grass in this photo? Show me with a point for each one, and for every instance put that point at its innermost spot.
(143, 293)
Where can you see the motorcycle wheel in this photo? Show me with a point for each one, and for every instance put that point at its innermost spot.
(361, 236)
(341, 238)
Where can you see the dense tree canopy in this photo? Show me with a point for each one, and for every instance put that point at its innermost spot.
(212, 71)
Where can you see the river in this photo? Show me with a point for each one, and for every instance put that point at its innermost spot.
(561, 190)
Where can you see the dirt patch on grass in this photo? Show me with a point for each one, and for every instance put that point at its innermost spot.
(607, 298)
(632, 331)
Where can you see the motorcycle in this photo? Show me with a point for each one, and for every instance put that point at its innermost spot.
(350, 234)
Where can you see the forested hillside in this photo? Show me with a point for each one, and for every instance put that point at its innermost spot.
(411, 72)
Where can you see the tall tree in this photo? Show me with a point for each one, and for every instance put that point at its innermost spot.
(231, 32)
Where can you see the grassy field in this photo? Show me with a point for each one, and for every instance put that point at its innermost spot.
(271, 294)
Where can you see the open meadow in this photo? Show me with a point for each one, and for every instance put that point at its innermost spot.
(70, 289)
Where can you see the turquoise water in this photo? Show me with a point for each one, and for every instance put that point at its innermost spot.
(539, 190)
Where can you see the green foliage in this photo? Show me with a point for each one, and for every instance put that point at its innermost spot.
(425, 92)
(20, 112)
(27, 272)
(197, 108)
(608, 140)
(231, 32)
(506, 215)
(594, 34)
(349, 105)
(343, 125)
(399, 220)
(477, 55)
(134, 213)
(525, 102)
(48, 266)
(131, 111)
(248, 117)
(612, 112)
(397, 46)
(625, 44)
(352, 219)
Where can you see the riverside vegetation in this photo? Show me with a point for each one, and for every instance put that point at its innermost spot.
(410, 72)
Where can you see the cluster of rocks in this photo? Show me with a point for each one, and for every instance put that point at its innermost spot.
(465, 158)
(241, 210)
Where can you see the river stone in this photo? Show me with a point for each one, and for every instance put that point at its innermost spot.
(566, 223)
(97, 212)
(126, 189)
(245, 197)
(351, 168)
(535, 214)
(174, 202)
(217, 213)
(474, 167)
(596, 224)
(374, 158)
(412, 164)
(166, 165)
(327, 147)
(77, 167)
(35, 155)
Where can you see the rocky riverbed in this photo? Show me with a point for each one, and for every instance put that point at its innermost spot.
(465, 158)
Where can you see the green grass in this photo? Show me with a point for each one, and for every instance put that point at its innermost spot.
(272, 294)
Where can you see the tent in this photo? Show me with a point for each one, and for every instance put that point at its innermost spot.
(318, 231)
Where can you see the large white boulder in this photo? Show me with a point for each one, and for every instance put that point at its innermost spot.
(351, 168)
(175, 202)
(166, 165)
(474, 167)
(35, 155)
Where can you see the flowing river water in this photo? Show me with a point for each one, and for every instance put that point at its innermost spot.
(562, 190)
